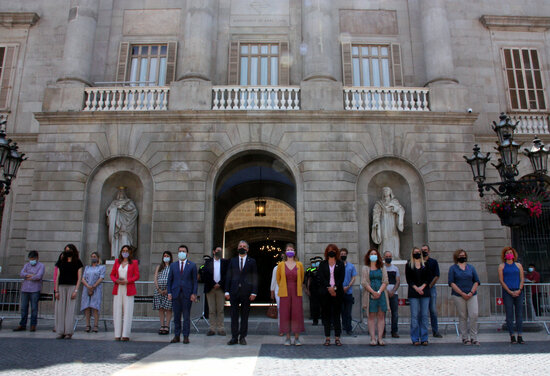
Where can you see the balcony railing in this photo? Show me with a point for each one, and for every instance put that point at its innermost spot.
(256, 98)
(531, 123)
(386, 99)
(138, 98)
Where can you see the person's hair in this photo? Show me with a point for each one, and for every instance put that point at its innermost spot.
(243, 241)
(130, 253)
(183, 246)
(343, 250)
(458, 252)
(98, 257)
(33, 254)
(533, 265)
(425, 245)
(216, 247)
(162, 266)
(378, 262)
(506, 249)
(291, 245)
(332, 247)
(384, 255)
(73, 248)
(412, 259)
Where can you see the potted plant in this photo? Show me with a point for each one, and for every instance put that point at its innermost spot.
(515, 211)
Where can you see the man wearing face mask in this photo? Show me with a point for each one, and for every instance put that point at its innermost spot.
(182, 291)
(241, 288)
(433, 267)
(534, 277)
(313, 289)
(32, 272)
(392, 288)
(213, 276)
(348, 300)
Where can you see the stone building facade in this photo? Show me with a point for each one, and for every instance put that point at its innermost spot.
(199, 106)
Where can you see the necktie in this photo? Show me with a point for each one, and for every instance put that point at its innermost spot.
(181, 269)
(241, 264)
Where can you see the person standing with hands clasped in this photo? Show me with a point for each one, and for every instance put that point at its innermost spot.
(510, 276)
(347, 299)
(418, 278)
(66, 289)
(433, 267)
(241, 288)
(160, 295)
(32, 272)
(374, 279)
(290, 278)
(331, 280)
(125, 273)
(464, 281)
(92, 295)
(394, 280)
(213, 276)
(182, 291)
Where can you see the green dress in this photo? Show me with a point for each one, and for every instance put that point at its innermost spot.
(379, 304)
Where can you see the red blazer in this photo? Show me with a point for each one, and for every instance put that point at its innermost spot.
(132, 277)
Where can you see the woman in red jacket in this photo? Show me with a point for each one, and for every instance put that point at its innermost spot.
(124, 275)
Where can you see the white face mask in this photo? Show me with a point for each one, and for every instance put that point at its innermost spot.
(182, 255)
(166, 259)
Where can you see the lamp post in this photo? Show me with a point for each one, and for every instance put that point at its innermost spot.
(10, 160)
(510, 188)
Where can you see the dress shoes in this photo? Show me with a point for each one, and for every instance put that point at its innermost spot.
(33, 328)
(186, 340)
(125, 339)
(176, 339)
(395, 335)
(20, 329)
(210, 333)
(233, 341)
(221, 333)
(242, 341)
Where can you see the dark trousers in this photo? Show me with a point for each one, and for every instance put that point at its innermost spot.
(315, 305)
(32, 298)
(240, 305)
(512, 304)
(347, 305)
(394, 307)
(331, 308)
(181, 305)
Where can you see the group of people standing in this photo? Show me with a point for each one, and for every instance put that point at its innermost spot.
(328, 283)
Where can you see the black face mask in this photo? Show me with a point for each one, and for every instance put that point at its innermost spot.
(242, 251)
(388, 260)
(417, 255)
(332, 254)
(68, 253)
(425, 253)
(461, 259)
(343, 258)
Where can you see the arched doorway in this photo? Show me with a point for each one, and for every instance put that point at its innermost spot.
(240, 182)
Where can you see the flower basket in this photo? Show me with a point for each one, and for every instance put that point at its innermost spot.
(516, 217)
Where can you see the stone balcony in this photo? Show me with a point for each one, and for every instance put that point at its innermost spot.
(531, 123)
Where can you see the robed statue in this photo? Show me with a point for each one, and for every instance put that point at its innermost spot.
(122, 217)
(387, 221)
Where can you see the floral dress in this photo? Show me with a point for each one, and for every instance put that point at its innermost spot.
(159, 300)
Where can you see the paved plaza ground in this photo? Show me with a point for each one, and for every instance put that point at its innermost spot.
(149, 354)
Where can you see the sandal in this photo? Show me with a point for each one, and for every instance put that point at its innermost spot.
(327, 342)
(88, 328)
(95, 329)
(424, 343)
(373, 342)
(337, 342)
(381, 342)
(166, 330)
(161, 330)
(416, 343)
(466, 342)
(476, 343)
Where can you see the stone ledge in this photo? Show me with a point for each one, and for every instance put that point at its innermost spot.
(515, 23)
(13, 19)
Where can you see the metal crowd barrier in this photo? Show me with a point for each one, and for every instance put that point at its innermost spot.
(491, 308)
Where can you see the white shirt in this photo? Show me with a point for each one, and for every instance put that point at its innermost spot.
(244, 261)
(182, 262)
(217, 272)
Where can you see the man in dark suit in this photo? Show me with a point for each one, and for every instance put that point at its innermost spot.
(241, 288)
(182, 290)
(213, 276)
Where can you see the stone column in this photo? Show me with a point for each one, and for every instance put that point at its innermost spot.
(445, 92)
(193, 89)
(68, 92)
(320, 88)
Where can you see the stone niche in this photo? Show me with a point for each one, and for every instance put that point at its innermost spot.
(101, 190)
(407, 187)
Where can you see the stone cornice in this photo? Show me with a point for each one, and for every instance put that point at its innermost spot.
(13, 19)
(515, 23)
(172, 117)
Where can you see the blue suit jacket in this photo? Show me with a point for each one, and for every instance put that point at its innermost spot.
(186, 282)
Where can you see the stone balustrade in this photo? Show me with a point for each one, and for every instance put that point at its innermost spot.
(386, 99)
(256, 98)
(139, 98)
(531, 123)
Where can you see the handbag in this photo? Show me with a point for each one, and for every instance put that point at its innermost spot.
(272, 311)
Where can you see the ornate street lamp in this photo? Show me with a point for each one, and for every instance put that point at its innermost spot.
(519, 198)
(10, 160)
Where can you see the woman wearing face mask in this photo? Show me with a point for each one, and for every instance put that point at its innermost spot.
(374, 279)
(331, 277)
(418, 278)
(510, 276)
(68, 281)
(464, 282)
(290, 278)
(124, 275)
(160, 296)
(91, 296)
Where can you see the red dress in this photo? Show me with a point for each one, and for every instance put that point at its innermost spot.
(291, 312)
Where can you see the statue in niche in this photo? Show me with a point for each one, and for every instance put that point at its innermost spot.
(387, 221)
(122, 217)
